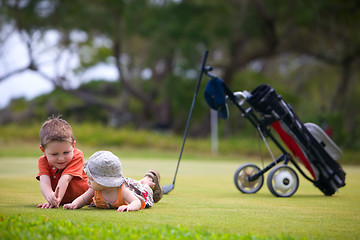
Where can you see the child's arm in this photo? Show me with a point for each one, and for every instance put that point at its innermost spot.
(55, 199)
(81, 200)
(134, 202)
(46, 190)
(62, 185)
(50, 196)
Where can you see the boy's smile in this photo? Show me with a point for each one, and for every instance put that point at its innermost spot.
(59, 154)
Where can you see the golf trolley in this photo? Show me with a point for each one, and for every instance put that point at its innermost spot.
(266, 110)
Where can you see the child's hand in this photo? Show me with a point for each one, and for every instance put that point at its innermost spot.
(53, 198)
(69, 206)
(45, 205)
(123, 208)
(127, 208)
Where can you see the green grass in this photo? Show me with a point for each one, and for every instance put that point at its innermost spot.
(204, 205)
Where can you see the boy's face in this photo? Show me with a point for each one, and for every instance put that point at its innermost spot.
(59, 154)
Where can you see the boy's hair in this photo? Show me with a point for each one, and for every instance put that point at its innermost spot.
(55, 129)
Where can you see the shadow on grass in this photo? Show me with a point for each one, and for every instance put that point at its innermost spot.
(266, 195)
(312, 196)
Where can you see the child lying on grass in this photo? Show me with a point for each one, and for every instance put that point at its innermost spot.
(109, 188)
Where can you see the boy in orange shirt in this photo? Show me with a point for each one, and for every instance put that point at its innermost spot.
(61, 175)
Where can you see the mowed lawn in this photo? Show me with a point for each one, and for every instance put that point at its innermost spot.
(205, 198)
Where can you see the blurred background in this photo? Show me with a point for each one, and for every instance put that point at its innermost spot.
(126, 64)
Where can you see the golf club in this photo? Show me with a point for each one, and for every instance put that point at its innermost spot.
(170, 187)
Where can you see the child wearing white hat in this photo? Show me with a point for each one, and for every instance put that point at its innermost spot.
(110, 189)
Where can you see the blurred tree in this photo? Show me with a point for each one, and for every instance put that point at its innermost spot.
(140, 36)
(327, 31)
(156, 47)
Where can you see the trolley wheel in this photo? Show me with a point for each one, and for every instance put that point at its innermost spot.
(282, 181)
(241, 178)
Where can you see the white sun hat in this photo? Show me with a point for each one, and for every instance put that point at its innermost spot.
(105, 168)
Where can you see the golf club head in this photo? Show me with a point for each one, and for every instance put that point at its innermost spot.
(168, 188)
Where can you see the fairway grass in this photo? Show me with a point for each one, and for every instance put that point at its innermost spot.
(205, 204)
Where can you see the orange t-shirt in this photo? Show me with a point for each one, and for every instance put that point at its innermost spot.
(78, 184)
(100, 202)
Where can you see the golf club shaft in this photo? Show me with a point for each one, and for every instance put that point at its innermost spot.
(190, 113)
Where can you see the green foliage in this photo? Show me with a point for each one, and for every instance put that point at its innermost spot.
(98, 135)
(175, 33)
(66, 104)
(103, 89)
(13, 132)
(19, 105)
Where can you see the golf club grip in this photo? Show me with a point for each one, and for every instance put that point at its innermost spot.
(190, 113)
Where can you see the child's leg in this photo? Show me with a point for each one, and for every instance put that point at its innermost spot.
(147, 180)
(141, 190)
(150, 197)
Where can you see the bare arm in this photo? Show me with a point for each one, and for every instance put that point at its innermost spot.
(63, 185)
(81, 200)
(134, 202)
(47, 192)
(51, 197)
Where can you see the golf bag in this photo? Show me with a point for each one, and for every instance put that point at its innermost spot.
(308, 143)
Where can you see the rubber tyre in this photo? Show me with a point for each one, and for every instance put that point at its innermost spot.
(241, 179)
(282, 181)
